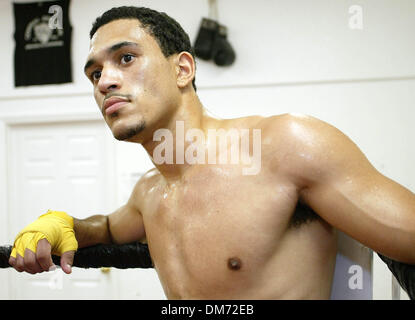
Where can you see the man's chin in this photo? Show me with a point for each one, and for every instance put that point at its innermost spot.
(129, 134)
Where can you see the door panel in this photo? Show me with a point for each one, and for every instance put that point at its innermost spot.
(66, 167)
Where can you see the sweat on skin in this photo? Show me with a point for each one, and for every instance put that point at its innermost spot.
(195, 153)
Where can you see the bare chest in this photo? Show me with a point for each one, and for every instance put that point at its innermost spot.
(214, 227)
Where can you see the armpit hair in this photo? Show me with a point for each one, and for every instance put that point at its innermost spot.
(303, 214)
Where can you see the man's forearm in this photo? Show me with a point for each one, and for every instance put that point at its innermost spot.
(92, 230)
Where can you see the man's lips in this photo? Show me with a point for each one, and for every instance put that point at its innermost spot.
(113, 104)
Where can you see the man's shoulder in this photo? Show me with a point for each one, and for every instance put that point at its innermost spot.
(148, 180)
(304, 131)
(289, 128)
(150, 175)
(296, 142)
(306, 147)
(274, 122)
(269, 122)
(288, 131)
(287, 121)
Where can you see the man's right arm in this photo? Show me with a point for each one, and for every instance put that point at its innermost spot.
(122, 226)
(125, 225)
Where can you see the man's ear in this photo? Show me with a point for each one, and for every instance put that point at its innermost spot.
(185, 66)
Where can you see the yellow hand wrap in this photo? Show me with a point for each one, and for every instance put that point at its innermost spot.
(55, 226)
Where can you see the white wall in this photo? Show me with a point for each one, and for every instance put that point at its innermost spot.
(292, 56)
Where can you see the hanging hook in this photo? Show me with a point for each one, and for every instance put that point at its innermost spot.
(213, 10)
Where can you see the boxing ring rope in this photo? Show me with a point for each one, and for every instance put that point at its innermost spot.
(137, 255)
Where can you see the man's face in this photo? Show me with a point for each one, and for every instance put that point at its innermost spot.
(134, 83)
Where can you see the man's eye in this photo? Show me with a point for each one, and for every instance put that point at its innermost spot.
(96, 75)
(126, 58)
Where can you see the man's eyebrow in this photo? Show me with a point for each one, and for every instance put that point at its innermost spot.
(89, 63)
(111, 49)
(119, 45)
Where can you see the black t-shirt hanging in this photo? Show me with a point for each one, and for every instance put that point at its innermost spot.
(43, 43)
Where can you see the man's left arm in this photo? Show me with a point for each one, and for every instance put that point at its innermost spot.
(338, 182)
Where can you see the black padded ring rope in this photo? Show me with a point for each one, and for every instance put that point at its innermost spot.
(137, 255)
(132, 255)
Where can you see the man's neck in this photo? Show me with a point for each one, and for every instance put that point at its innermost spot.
(190, 115)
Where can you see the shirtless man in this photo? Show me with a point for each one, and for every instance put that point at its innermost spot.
(213, 232)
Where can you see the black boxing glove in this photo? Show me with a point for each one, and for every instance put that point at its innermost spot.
(223, 53)
(206, 36)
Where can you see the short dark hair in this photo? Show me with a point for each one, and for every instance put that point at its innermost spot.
(168, 33)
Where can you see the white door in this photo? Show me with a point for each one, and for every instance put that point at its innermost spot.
(65, 167)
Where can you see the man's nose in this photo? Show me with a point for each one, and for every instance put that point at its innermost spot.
(110, 80)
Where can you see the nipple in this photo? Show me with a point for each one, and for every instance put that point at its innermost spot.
(234, 263)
